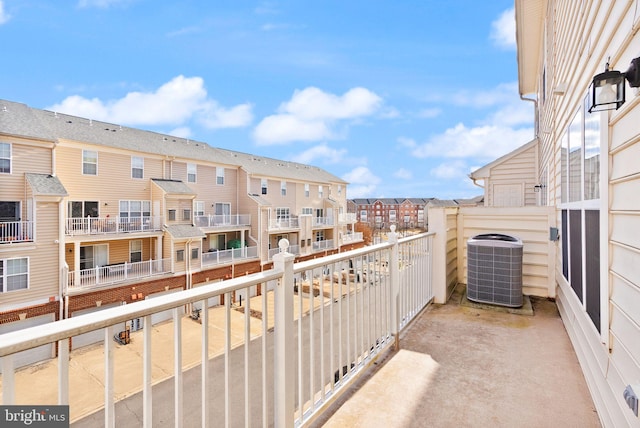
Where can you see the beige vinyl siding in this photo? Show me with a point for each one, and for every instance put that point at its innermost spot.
(113, 182)
(211, 193)
(520, 170)
(530, 224)
(44, 269)
(24, 158)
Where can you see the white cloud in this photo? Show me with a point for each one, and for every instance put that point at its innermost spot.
(4, 16)
(182, 131)
(403, 174)
(174, 103)
(503, 30)
(409, 143)
(449, 170)
(361, 191)
(482, 142)
(501, 94)
(330, 155)
(429, 113)
(361, 175)
(312, 115)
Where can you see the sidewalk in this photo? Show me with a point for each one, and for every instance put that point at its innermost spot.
(37, 384)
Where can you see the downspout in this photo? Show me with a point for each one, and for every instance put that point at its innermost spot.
(536, 123)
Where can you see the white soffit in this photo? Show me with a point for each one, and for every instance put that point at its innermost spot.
(529, 28)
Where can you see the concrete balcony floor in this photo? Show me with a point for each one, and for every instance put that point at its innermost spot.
(462, 365)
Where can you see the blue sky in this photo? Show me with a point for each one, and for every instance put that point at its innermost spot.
(399, 98)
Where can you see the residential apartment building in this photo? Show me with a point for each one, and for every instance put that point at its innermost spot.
(405, 213)
(588, 144)
(94, 215)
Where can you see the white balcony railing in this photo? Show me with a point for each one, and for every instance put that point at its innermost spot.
(352, 237)
(323, 222)
(222, 220)
(327, 244)
(16, 231)
(293, 249)
(279, 369)
(112, 225)
(113, 274)
(217, 257)
(347, 218)
(284, 223)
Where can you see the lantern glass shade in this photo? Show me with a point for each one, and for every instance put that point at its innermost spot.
(607, 91)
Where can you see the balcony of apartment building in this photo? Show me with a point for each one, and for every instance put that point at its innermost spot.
(222, 221)
(347, 218)
(352, 237)
(235, 254)
(15, 231)
(379, 336)
(112, 225)
(284, 223)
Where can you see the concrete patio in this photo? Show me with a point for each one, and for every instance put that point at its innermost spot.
(465, 365)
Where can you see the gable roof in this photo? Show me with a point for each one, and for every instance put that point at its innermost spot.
(45, 185)
(483, 172)
(174, 187)
(21, 120)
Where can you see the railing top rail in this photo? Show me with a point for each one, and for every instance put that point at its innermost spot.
(334, 258)
(32, 337)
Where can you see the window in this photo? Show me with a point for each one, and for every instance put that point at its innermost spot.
(307, 211)
(263, 186)
(195, 252)
(339, 189)
(363, 216)
(180, 255)
(186, 214)
(89, 162)
(306, 190)
(137, 167)
(223, 212)
(319, 235)
(5, 158)
(82, 209)
(9, 211)
(282, 214)
(172, 215)
(580, 215)
(320, 191)
(283, 188)
(14, 274)
(392, 215)
(198, 208)
(220, 175)
(192, 169)
(135, 251)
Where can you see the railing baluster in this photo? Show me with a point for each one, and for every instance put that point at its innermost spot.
(247, 342)
(227, 359)
(109, 403)
(204, 319)
(178, 377)
(265, 331)
(147, 371)
(63, 371)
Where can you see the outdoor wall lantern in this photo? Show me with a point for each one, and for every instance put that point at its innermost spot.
(607, 90)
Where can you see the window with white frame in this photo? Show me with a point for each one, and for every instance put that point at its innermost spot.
(192, 172)
(135, 210)
(186, 214)
(137, 167)
(319, 235)
(307, 211)
(14, 274)
(283, 188)
(195, 253)
(320, 191)
(180, 255)
(363, 216)
(135, 251)
(580, 213)
(306, 190)
(392, 216)
(198, 208)
(339, 189)
(219, 175)
(263, 186)
(282, 214)
(89, 162)
(5, 158)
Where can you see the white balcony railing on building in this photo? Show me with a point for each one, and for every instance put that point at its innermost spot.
(322, 323)
(293, 249)
(217, 257)
(284, 223)
(347, 218)
(111, 225)
(327, 244)
(352, 237)
(222, 220)
(116, 273)
(323, 222)
(16, 231)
